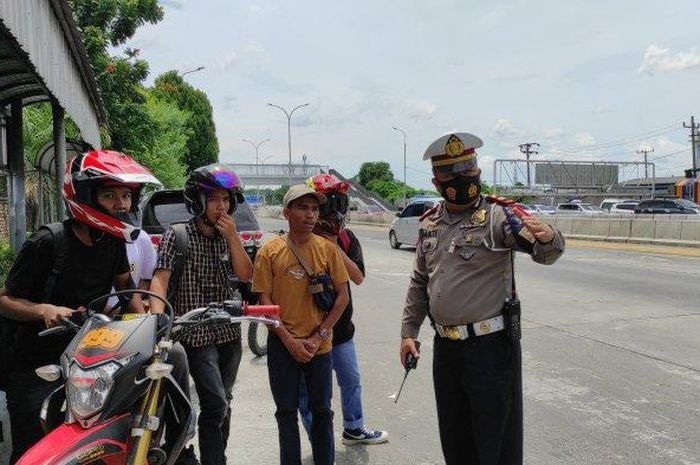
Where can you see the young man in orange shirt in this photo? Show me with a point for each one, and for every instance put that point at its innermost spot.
(301, 345)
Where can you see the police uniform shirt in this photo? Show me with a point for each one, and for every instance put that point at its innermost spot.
(462, 268)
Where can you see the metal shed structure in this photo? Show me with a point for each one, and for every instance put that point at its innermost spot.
(42, 59)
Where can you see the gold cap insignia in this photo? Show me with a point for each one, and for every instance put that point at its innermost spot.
(485, 327)
(454, 146)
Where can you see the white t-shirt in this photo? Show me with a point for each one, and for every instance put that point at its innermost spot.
(142, 260)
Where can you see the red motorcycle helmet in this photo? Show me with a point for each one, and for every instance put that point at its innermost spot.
(332, 213)
(210, 178)
(86, 173)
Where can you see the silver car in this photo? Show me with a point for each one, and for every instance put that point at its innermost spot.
(404, 229)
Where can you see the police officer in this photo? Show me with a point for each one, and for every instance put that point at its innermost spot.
(462, 280)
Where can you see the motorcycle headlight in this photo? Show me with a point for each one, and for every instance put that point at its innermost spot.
(87, 390)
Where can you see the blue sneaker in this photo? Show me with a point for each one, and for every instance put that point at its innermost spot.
(364, 436)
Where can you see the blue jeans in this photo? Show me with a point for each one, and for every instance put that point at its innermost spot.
(214, 369)
(285, 376)
(347, 373)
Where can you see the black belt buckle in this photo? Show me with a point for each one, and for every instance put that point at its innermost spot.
(511, 316)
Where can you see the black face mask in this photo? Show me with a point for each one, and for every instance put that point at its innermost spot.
(461, 190)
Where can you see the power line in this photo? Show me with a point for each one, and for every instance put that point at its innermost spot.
(624, 140)
(668, 155)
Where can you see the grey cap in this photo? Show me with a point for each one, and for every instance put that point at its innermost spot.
(453, 152)
(300, 190)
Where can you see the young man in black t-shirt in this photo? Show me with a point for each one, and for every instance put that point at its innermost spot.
(94, 261)
(330, 225)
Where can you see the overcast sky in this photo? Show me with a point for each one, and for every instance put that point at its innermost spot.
(588, 80)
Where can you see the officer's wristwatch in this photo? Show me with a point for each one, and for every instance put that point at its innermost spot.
(323, 333)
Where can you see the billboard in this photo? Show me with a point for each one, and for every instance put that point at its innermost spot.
(562, 174)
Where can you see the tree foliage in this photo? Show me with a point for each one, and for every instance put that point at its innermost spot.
(202, 144)
(374, 170)
(37, 122)
(110, 23)
(163, 156)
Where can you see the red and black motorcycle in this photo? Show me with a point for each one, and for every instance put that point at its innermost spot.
(119, 394)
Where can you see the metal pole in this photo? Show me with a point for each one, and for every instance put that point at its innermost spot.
(289, 131)
(59, 147)
(404, 163)
(15, 162)
(198, 68)
(257, 153)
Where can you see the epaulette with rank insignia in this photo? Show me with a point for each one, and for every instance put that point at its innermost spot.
(432, 210)
(498, 200)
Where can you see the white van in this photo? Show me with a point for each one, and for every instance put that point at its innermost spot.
(607, 203)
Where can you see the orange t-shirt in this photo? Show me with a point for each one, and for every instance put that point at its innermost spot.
(278, 273)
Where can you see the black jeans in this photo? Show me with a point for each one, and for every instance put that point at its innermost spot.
(479, 400)
(285, 375)
(214, 369)
(25, 395)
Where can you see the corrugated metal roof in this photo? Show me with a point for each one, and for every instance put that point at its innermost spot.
(42, 57)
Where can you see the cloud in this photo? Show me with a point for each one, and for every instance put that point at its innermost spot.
(174, 4)
(662, 59)
(601, 109)
(553, 133)
(251, 57)
(584, 139)
(420, 110)
(504, 129)
(254, 8)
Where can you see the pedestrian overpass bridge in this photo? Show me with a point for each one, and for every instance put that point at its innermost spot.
(276, 175)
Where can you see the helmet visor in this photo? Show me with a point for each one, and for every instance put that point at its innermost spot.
(335, 203)
(226, 179)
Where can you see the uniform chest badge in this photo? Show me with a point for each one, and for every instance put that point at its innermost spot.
(478, 217)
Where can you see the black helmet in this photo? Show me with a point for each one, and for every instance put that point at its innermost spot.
(209, 178)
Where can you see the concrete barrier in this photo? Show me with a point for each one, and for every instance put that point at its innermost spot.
(681, 230)
(642, 229)
(690, 231)
(667, 229)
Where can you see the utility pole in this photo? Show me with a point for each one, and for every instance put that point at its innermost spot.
(693, 126)
(646, 166)
(404, 162)
(526, 148)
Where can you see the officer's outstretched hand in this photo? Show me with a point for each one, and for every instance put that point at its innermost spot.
(51, 314)
(408, 344)
(542, 231)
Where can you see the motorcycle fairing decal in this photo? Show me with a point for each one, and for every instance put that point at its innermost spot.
(65, 444)
(101, 451)
(88, 360)
(102, 337)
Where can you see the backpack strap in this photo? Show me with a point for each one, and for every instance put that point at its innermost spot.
(182, 251)
(60, 244)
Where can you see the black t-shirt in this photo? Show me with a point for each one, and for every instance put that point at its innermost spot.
(344, 330)
(88, 272)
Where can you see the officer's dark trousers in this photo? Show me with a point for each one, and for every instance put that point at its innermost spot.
(479, 400)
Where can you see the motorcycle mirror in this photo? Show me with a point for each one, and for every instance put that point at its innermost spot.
(49, 372)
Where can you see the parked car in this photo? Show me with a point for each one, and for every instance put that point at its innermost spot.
(608, 203)
(579, 208)
(623, 208)
(404, 229)
(540, 209)
(162, 208)
(667, 206)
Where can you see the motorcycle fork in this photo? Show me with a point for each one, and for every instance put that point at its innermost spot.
(148, 409)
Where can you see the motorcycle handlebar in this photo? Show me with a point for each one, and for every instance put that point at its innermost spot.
(262, 310)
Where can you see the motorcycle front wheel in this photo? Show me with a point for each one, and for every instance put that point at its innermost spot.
(257, 339)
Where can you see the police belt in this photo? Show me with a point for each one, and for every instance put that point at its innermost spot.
(480, 328)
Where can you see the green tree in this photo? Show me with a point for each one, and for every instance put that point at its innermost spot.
(390, 189)
(164, 155)
(372, 170)
(106, 24)
(202, 144)
(37, 121)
